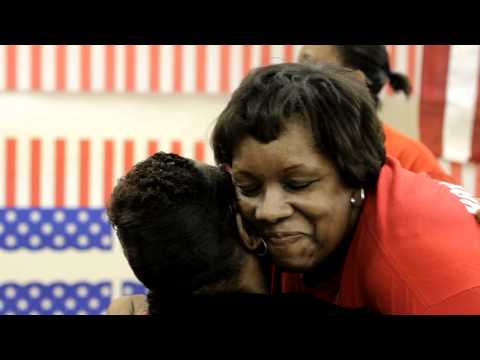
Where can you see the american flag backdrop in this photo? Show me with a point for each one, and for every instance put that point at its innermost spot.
(134, 68)
(56, 246)
(53, 205)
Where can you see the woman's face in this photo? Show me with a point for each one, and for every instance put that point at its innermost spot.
(293, 197)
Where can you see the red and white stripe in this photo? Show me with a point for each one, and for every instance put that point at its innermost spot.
(445, 76)
(67, 172)
(449, 117)
(150, 68)
(59, 172)
(168, 69)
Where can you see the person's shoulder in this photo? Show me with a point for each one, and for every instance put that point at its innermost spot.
(394, 135)
(129, 305)
(410, 189)
(407, 203)
(404, 143)
(416, 226)
(413, 154)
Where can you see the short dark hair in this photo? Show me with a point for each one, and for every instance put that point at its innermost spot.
(174, 222)
(335, 105)
(372, 60)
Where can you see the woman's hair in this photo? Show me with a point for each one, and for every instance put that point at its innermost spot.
(331, 102)
(372, 60)
(174, 222)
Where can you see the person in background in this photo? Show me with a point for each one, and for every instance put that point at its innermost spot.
(371, 63)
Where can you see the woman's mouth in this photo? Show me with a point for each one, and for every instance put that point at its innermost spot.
(282, 239)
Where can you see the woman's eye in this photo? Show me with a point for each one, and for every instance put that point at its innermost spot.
(249, 190)
(298, 185)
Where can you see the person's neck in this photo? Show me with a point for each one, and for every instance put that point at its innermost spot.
(252, 278)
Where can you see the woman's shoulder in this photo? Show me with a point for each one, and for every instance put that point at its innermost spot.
(402, 197)
(411, 212)
(420, 237)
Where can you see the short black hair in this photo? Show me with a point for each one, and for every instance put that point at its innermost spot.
(174, 222)
(373, 61)
(332, 102)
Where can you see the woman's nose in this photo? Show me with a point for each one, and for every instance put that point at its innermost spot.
(272, 207)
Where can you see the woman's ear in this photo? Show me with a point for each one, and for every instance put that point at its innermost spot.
(250, 241)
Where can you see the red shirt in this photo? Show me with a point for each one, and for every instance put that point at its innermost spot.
(416, 250)
(413, 155)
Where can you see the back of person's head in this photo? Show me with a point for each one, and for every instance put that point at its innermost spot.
(269, 97)
(373, 61)
(174, 221)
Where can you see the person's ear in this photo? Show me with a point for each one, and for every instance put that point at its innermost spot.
(250, 241)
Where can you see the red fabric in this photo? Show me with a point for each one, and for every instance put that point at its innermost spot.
(413, 155)
(416, 250)
(433, 96)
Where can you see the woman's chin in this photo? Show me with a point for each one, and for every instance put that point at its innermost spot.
(295, 260)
